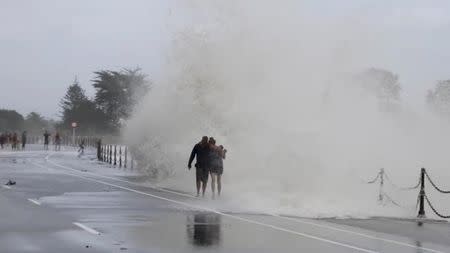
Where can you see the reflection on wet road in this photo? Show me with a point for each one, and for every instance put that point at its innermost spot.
(203, 229)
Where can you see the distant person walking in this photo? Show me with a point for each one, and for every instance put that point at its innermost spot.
(57, 142)
(201, 153)
(46, 139)
(216, 156)
(24, 139)
(81, 149)
(14, 141)
(2, 140)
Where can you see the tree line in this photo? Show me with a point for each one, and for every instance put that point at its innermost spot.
(118, 92)
(116, 95)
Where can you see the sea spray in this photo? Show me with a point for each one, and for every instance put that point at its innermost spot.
(278, 90)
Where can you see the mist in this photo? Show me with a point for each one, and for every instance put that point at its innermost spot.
(276, 87)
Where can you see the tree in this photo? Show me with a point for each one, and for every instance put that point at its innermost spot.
(10, 120)
(382, 83)
(77, 107)
(35, 123)
(439, 98)
(118, 92)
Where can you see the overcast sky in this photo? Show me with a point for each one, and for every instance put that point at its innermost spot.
(45, 44)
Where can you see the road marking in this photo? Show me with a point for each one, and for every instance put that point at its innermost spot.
(86, 228)
(274, 215)
(117, 179)
(6, 187)
(223, 214)
(355, 233)
(34, 202)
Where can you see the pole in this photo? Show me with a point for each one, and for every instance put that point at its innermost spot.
(99, 149)
(120, 157)
(380, 194)
(126, 156)
(422, 195)
(110, 154)
(115, 155)
(73, 136)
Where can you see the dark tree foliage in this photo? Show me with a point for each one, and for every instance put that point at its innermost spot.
(118, 92)
(439, 98)
(382, 83)
(10, 120)
(77, 107)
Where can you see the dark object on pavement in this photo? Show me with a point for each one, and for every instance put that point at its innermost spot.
(10, 182)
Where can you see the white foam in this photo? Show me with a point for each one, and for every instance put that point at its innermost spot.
(277, 90)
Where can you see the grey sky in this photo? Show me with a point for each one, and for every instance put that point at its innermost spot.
(44, 44)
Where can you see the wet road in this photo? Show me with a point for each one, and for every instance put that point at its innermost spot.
(64, 204)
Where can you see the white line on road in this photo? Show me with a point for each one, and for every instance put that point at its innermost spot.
(6, 187)
(354, 233)
(275, 215)
(223, 214)
(117, 179)
(34, 202)
(86, 228)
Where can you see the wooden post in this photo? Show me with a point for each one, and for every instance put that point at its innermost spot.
(126, 156)
(110, 154)
(120, 157)
(115, 155)
(422, 195)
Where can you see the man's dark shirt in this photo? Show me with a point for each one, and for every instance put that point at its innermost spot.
(202, 153)
(46, 136)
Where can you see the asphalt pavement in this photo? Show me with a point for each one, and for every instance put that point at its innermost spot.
(62, 203)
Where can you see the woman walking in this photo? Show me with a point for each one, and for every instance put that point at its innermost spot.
(217, 154)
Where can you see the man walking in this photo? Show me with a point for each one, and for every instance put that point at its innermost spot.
(46, 139)
(24, 139)
(201, 151)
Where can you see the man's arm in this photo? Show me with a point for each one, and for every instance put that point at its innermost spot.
(191, 158)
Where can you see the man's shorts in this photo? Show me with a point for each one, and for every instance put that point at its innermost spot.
(202, 174)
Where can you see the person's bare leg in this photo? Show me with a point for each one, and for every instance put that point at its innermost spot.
(198, 188)
(213, 184)
(219, 184)
(204, 188)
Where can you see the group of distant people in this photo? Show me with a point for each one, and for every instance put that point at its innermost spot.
(209, 161)
(13, 140)
(16, 142)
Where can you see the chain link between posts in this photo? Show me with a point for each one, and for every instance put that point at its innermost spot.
(374, 180)
(402, 188)
(434, 185)
(381, 176)
(434, 209)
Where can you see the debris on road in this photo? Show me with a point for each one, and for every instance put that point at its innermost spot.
(10, 182)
